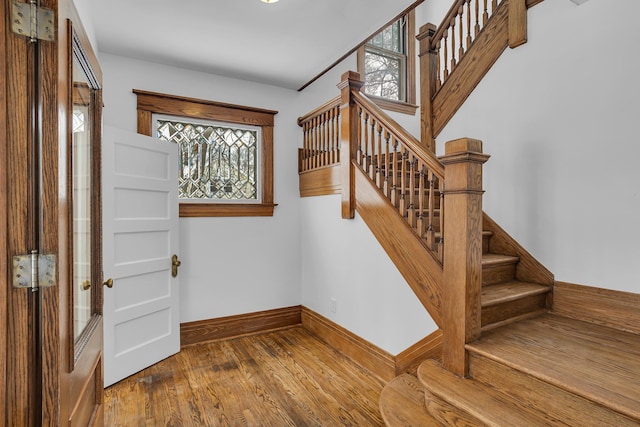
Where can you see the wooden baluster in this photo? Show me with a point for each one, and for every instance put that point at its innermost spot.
(379, 158)
(485, 15)
(372, 140)
(411, 217)
(469, 39)
(325, 139)
(387, 166)
(312, 153)
(330, 137)
(453, 43)
(445, 57)
(477, 26)
(494, 4)
(394, 174)
(441, 220)
(365, 142)
(431, 202)
(337, 130)
(460, 24)
(403, 183)
(421, 204)
(305, 143)
(438, 72)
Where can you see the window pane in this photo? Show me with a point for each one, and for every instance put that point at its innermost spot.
(383, 75)
(215, 162)
(390, 38)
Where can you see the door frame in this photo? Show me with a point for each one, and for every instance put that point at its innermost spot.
(35, 373)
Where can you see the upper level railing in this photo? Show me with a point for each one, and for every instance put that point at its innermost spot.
(457, 32)
(321, 137)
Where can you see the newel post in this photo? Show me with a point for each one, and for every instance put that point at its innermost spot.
(348, 140)
(428, 76)
(462, 269)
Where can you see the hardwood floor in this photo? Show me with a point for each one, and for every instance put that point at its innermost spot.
(284, 378)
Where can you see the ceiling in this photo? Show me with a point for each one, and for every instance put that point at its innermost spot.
(286, 44)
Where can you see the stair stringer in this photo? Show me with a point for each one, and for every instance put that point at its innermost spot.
(422, 272)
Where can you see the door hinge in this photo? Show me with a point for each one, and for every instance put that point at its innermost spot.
(32, 21)
(34, 271)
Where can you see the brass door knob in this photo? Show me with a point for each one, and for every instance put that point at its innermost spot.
(175, 263)
(86, 285)
(108, 283)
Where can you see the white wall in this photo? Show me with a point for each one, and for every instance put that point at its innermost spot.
(229, 265)
(341, 259)
(84, 10)
(559, 118)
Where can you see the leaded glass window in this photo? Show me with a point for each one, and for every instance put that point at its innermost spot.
(216, 161)
(385, 63)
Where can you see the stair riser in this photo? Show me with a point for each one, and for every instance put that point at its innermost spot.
(498, 274)
(485, 244)
(559, 406)
(448, 414)
(510, 309)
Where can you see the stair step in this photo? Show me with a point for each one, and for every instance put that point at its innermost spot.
(458, 401)
(581, 373)
(402, 403)
(511, 300)
(497, 268)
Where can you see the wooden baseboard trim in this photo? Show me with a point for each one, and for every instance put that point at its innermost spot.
(202, 331)
(361, 351)
(615, 309)
(430, 347)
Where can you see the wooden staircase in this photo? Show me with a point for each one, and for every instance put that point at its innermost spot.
(524, 363)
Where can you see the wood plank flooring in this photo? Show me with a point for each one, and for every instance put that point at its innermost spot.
(284, 378)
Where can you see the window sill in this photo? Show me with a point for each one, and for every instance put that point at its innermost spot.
(190, 210)
(397, 106)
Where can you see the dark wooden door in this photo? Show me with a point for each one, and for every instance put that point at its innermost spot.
(50, 101)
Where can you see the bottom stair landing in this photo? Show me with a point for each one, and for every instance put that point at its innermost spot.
(544, 371)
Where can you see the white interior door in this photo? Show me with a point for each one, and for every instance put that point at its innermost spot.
(140, 235)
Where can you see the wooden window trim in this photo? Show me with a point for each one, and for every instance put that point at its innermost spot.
(150, 103)
(409, 106)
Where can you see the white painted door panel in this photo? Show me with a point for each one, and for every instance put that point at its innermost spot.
(140, 235)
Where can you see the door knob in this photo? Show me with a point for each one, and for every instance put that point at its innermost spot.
(175, 263)
(108, 283)
(86, 285)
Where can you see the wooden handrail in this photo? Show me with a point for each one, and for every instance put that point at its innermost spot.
(394, 127)
(451, 14)
(332, 103)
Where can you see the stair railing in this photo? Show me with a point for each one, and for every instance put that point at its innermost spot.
(321, 137)
(493, 24)
(402, 170)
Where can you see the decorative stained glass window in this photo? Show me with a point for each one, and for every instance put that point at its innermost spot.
(216, 161)
(385, 63)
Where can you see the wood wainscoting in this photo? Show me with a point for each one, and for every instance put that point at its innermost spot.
(202, 331)
(614, 309)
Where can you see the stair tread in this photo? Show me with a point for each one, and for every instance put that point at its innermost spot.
(491, 259)
(483, 402)
(509, 291)
(402, 403)
(592, 361)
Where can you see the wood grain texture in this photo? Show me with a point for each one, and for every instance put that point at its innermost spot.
(591, 361)
(202, 331)
(4, 253)
(430, 347)
(225, 210)
(284, 378)
(348, 138)
(528, 269)
(402, 404)
(378, 361)
(487, 48)
(320, 182)
(560, 407)
(614, 309)
(463, 258)
(419, 268)
(428, 73)
(517, 23)
(457, 398)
